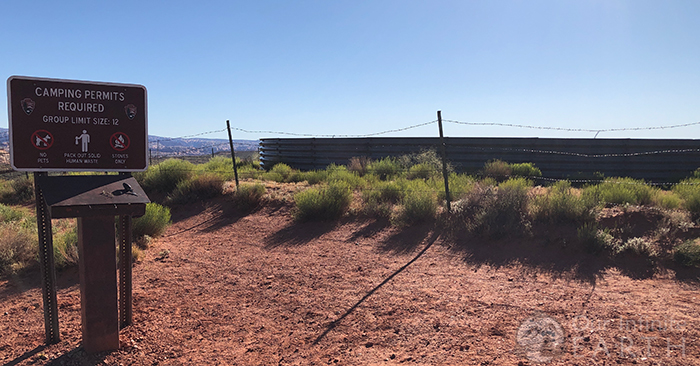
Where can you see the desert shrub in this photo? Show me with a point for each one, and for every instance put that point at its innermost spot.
(460, 186)
(164, 177)
(359, 164)
(201, 187)
(502, 212)
(17, 247)
(525, 170)
(249, 195)
(592, 239)
(283, 170)
(426, 157)
(386, 168)
(385, 192)
(419, 204)
(497, 169)
(422, 171)
(560, 204)
(153, 223)
(638, 246)
(323, 203)
(689, 191)
(219, 165)
(339, 173)
(65, 248)
(665, 199)
(381, 196)
(17, 191)
(12, 214)
(620, 191)
(248, 164)
(687, 254)
(315, 176)
(280, 173)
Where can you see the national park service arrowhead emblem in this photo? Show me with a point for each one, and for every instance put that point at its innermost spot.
(130, 111)
(28, 105)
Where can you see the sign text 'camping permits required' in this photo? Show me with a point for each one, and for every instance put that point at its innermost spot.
(68, 125)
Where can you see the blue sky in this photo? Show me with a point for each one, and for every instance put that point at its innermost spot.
(357, 67)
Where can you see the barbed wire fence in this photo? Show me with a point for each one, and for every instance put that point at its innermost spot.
(158, 152)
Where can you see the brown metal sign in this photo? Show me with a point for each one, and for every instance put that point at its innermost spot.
(67, 125)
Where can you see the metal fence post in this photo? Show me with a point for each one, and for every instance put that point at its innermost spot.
(444, 163)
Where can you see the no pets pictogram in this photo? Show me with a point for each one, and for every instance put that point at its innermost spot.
(42, 139)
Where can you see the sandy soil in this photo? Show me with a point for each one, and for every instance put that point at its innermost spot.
(224, 287)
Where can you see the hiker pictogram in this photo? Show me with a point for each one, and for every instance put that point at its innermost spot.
(85, 139)
(42, 139)
(119, 141)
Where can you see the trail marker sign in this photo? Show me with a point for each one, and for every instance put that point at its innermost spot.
(69, 125)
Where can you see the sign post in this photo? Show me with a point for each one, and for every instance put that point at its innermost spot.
(67, 125)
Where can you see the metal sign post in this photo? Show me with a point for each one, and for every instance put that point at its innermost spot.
(67, 125)
(95, 201)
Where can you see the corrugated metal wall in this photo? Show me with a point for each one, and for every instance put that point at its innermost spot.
(654, 160)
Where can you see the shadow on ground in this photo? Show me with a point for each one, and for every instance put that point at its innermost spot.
(558, 252)
(300, 233)
(31, 279)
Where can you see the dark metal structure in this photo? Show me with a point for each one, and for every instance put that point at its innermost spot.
(95, 201)
(657, 160)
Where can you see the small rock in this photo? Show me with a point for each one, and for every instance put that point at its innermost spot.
(369, 344)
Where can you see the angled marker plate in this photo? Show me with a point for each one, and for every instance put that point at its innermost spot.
(102, 195)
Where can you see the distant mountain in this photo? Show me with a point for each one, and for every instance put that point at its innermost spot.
(196, 146)
(177, 146)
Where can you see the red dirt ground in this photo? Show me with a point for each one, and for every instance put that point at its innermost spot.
(227, 288)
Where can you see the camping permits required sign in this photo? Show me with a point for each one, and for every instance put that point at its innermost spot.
(67, 125)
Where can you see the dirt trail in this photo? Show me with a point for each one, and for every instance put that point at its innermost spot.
(226, 288)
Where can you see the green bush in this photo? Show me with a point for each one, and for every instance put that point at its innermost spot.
(282, 171)
(359, 164)
(419, 204)
(323, 203)
(17, 191)
(380, 197)
(422, 171)
(18, 247)
(638, 246)
(153, 223)
(164, 177)
(315, 176)
(201, 187)
(504, 212)
(620, 191)
(560, 204)
(339, 173)
(65, 248)
(688, 254)
(385, 169)
(221, 166)
(689, 191)
(249, 196)
(666, 199)
(525, 170)
(460, 186)
(592, 239)
(497, 169)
